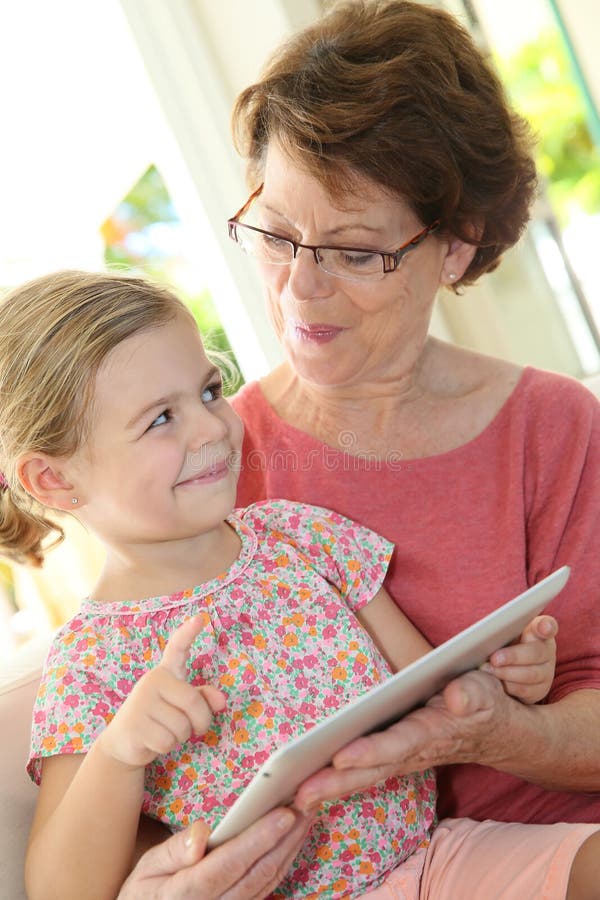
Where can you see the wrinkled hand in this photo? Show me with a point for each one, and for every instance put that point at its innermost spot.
(248, 867)
(468, 722)
(163, 710)
(526, 668)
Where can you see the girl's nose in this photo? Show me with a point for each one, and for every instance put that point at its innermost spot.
(207, 427)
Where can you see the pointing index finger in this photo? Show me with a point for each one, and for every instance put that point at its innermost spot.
(177, 651)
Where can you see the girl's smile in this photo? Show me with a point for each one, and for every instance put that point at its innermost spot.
(214, 472)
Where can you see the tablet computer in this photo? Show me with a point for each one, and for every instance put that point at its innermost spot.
(278, 779)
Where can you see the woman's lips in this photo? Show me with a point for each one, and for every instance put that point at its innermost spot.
(320, 333)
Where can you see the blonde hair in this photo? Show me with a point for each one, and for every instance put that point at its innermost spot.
(55, 333)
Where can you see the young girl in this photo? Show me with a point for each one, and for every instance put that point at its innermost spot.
(210, 637)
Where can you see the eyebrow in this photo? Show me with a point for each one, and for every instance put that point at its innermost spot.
(213, 372)
(332, 231)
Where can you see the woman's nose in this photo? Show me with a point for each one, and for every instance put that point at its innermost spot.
(306, 279)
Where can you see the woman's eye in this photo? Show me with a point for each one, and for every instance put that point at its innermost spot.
(271, 243)
(162, 419)
(212, 392)
(357, 259)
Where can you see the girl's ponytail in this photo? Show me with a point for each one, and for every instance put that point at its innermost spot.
(24, 531)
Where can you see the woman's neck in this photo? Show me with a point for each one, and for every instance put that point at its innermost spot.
(444, 399)
(367, 406)
(135, 572)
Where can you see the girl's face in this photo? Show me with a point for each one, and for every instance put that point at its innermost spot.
(336, 331)
(161, 462)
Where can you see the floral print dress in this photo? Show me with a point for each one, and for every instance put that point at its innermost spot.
(282, 642)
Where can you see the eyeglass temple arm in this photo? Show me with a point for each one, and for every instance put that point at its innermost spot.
(397, 256)
(247, 204)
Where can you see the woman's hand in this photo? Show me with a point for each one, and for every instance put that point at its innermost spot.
(526, 668)
(163, 710)
(246, 868)
(470, 721)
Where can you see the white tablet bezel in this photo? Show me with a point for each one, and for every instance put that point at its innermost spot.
(276, 782)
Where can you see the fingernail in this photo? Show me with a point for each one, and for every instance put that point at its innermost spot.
(486, 667)
(285, 820)
(193, 832)
(344, 762)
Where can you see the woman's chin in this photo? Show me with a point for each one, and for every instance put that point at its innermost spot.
(320, 370)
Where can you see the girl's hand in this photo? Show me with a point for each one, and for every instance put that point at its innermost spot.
(162, 710)
(526, 668)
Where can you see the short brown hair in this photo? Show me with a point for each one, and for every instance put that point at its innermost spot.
(397, 92)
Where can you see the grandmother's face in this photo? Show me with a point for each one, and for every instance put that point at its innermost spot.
(335, 331)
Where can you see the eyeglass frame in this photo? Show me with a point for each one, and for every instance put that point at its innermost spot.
(391, 259)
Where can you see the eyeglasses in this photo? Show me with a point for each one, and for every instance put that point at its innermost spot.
(352, 263)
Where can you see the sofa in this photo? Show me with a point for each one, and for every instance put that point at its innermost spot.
(19, 678)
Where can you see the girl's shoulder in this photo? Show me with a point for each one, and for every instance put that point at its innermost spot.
(315, 530)
(288, 517)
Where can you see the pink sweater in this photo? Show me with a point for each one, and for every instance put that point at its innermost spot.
(472, 527)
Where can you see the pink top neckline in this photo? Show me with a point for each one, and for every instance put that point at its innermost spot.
(489, 431)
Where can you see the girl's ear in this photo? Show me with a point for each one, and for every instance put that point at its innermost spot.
(41, 476)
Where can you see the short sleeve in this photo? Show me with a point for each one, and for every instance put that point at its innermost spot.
(352, 558)
(73, 704)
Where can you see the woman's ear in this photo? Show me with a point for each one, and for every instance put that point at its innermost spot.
(457, 260)
(41, 476)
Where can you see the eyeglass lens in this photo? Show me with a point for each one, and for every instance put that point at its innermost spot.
(268, 248)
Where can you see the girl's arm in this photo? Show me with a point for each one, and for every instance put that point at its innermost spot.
(394, 635)
(84, 829)
(86, 821)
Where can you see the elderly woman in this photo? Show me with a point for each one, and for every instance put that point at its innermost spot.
(384, 164)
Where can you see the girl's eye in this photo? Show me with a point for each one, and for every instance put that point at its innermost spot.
(212, 392)
(162, 419)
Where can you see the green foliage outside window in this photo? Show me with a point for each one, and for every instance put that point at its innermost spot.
(541, 84)
(127, 235)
